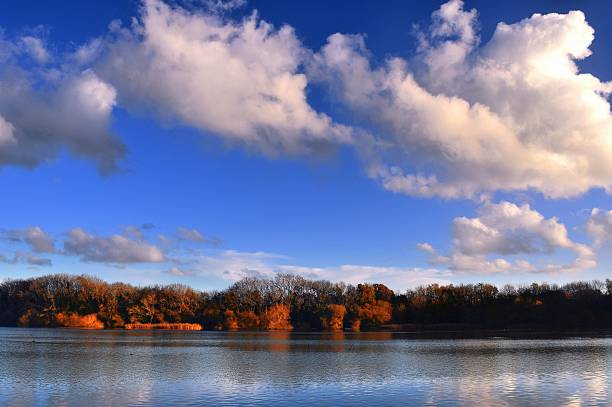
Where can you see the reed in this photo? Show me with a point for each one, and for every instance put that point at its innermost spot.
(166, 326)
(73, 320)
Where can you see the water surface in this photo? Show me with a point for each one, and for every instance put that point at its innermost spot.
(40, 367)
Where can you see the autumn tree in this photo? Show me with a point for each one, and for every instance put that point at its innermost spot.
(333, 319)
(276, 318)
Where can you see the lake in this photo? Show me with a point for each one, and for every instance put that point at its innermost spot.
(40, 367)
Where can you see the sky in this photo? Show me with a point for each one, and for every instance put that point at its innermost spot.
(406, 143)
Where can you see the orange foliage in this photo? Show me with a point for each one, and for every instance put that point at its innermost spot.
(334, 317)
(376, 313)
(230, 322)
(276, 318)
(356, 325)
(73, 320)
(174, 327)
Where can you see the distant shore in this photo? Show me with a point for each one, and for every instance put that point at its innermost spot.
(292, 303)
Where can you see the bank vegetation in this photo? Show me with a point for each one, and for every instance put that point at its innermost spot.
(290, 302)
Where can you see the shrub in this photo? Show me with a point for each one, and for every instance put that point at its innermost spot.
(247, 320)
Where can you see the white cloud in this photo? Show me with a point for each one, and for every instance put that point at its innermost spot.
(44, 111)
(223, 6)
(36, 239)
(234, 265)
(513, 114)
(238, 80)
(27, 258)
(164, 239)
(459, 119)
(34, 236)
(508, 229)
(35, 48)
(426, 247)
(193, 235)
(7, 131)
(179, 272)
(133, 232)
(397, 278)
(112, 249)
(599, 227)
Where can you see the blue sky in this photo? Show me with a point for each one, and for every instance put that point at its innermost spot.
(199, 145)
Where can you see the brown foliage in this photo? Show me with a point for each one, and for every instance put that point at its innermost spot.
(333, 319)
(168, 326)
(247, 320)
(32, 318)
(276, 318)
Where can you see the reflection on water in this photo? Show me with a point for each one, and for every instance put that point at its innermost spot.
(73, 367)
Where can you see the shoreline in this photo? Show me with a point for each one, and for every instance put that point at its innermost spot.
(422, 333)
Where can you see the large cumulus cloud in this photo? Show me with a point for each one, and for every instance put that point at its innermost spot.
(238, 80)
(463, 119)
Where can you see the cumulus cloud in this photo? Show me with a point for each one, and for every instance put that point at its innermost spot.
(599, 227)
(449, 122)
(238, 80)
(46, 110)
(509, 229)
(463, 119)
(34, 236)
(111, 249)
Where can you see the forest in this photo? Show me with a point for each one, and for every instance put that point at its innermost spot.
(291, 302)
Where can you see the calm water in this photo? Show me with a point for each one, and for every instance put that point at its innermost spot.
(103, 368)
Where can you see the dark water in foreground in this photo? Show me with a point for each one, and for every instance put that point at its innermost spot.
(104, 368)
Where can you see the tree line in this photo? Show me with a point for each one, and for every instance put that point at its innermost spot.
(292, 302)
